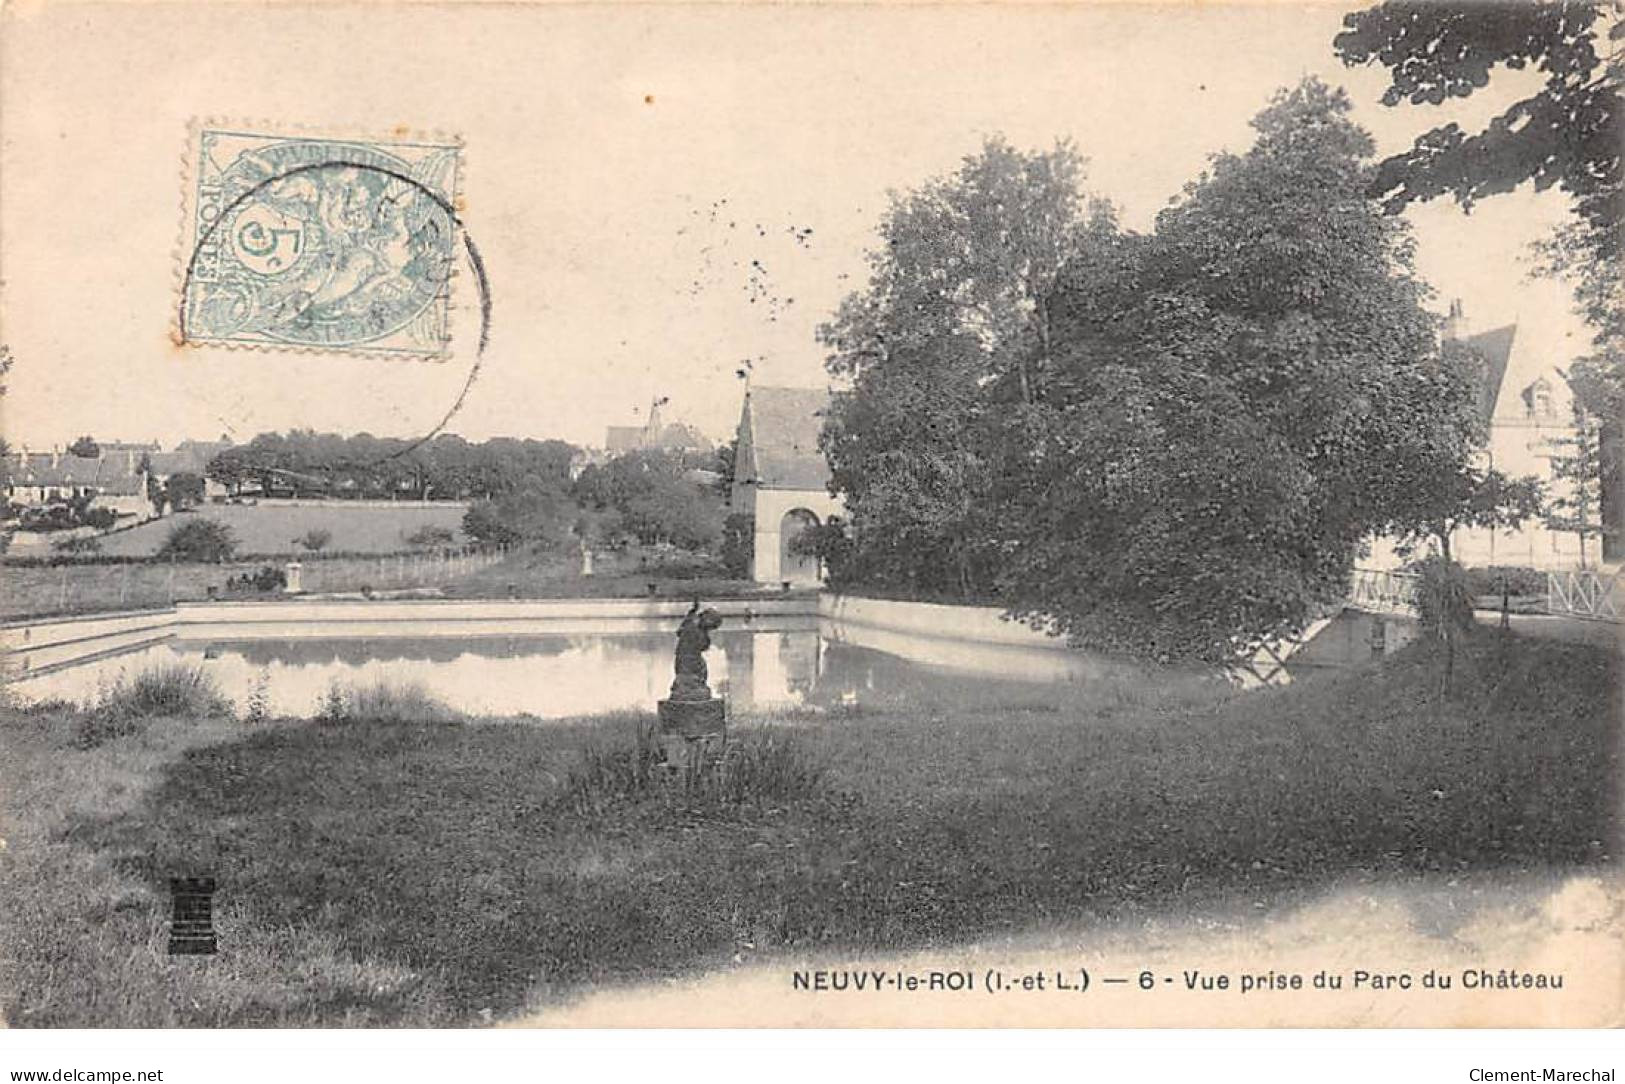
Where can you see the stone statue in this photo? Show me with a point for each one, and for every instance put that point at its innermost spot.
(691, 722)
(693, 638)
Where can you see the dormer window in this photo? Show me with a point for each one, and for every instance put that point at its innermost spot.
(1537, 399)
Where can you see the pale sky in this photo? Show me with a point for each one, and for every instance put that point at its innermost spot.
(600, 145)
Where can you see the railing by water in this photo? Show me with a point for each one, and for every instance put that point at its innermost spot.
(1381, 591)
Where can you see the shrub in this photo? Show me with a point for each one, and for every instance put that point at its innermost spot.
(382, 701)
(484, 522)
(83, 544)
(1517, 580)
(198, 540)
(830, 543)
(1444, 598)
(738, 543)
(267, 578)
(100, 518)
(171, 690)
(184, 490)
(431, 537)
(258, 706)
(49, 517)
(680, 565)
(314, 539)
(535, 514)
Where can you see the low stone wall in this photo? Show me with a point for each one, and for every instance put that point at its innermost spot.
(298, 502)
(984, 624)
(32, 647)
(349, 618)
(972, 639)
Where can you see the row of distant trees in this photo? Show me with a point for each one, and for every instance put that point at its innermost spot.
(521, 490)
(1169, 441)
(448, 467)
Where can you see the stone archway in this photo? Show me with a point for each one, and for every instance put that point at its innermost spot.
(795, 567)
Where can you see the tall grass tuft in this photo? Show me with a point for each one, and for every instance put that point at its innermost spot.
(170, 690)
(770, 767)
(383, 700)
(760, 768)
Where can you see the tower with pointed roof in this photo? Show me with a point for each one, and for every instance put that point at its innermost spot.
(781, 479)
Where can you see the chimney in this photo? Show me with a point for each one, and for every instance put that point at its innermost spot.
(1455, 323)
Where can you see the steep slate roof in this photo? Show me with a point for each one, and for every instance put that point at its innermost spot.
(1495, 347)
(784, 428)
(189, 456)
(113, 474)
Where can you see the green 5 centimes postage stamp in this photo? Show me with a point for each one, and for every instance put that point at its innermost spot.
(319, 243)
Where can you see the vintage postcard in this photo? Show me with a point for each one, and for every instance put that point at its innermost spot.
(677, 515)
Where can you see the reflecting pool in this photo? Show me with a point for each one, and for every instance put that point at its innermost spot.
(553, 675)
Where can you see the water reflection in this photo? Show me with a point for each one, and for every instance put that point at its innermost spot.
(547, 675)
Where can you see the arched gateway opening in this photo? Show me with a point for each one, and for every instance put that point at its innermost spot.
(793, 566)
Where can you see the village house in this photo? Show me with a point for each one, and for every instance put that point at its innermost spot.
(115, 480)
(1526, 400)
(191, 457)
(781, 479)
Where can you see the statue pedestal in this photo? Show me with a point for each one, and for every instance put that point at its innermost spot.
(690, 731)
(693, 718)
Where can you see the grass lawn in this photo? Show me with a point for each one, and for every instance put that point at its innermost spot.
(624, 574)
(271, 528)
(445, 873)
(38, 591)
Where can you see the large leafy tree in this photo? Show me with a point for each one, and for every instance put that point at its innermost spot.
(948, 353)
(655, 496)
(1244, 396)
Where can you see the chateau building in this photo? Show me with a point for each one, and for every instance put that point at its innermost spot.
(1526, 399)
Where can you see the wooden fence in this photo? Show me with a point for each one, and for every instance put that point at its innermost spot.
(1585, 593)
